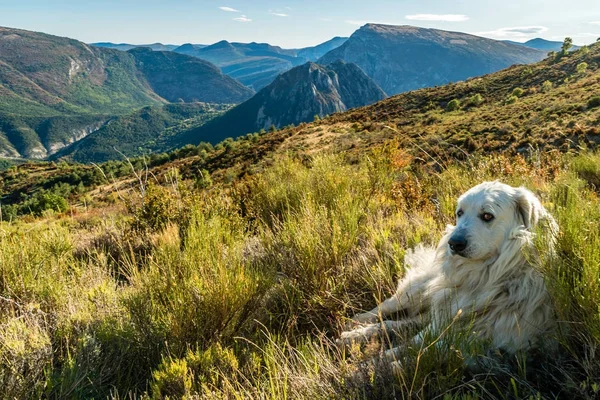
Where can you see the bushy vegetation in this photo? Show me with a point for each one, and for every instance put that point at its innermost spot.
(453, 105)
(238, 291)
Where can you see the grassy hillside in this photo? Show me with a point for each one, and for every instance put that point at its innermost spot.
(239, 293)
(228, 272)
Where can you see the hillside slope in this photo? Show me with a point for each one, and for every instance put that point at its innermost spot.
(559, 109)
(54, 91)
(144, 131)
(404, 58)
(295, 96)
(178, 77)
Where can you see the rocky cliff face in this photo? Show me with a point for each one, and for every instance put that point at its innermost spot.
(404, 58)
(311, 89)
(294, 97)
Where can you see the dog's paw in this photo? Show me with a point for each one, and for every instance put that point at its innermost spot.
(359, 335)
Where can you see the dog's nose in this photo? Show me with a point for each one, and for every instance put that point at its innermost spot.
(457, 243)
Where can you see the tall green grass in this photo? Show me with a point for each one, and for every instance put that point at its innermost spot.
(239, 292)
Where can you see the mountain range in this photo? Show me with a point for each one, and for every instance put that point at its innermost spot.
(542, 44)
(295, 96)
(256, 64)
(404, 58)
(54, 91)
(127, 46)
(57, 91)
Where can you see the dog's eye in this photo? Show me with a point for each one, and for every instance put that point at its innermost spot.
(459, 213)
(487, 217)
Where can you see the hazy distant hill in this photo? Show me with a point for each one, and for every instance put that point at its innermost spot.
(179, 77)
(253, 64)
(542, 44)
(403, 58)
(318, 51)
(295, 96)
(127, 46)
(256, 64)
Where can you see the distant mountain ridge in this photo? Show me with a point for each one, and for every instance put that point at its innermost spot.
(257, 64)
(127, 46)
(541, 44)
(295, 96)
(253, 64)
(404, 58)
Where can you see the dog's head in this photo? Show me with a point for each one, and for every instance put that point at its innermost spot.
(490, 214)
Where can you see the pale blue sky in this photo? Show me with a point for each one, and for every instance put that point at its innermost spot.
(296, 23)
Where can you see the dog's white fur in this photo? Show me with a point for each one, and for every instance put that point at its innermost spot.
(491, 286)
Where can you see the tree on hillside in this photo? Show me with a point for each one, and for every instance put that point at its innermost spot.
(567, 44)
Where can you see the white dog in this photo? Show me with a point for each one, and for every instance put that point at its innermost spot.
(481, 274)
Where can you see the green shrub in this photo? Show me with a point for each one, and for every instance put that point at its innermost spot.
(584, 50)
(44, 201)
(594, 102)
(547, 86)
(453, 105)
(476, 100)
(157, 209)
(518, 92)
(511, 99)
(203, 179)
(172, 380)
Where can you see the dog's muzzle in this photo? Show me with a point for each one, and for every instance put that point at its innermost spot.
(458, 244)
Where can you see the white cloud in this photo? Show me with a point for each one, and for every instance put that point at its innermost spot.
(242, 18)
(228, 9)
(595, 22)
(516, 32)
(438, 17)
(278, 14)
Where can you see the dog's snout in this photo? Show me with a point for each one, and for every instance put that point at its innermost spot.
(457, 243)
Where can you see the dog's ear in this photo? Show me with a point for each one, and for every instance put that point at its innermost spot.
(529, 208)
